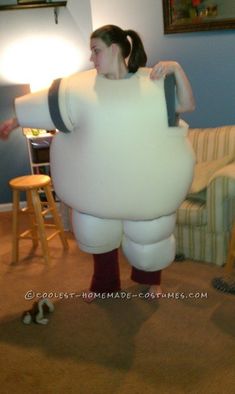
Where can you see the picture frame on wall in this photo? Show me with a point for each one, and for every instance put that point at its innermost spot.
(182, 16)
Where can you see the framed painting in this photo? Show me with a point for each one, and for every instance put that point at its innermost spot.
(182, 16)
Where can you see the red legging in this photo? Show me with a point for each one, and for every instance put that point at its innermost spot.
(106, 277)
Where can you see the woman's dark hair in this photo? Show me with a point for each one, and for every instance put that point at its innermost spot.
(112, 34)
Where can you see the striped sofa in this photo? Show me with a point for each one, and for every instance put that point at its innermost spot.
(204, 219)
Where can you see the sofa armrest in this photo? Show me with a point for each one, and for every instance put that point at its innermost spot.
(227, 171)
(221, 189)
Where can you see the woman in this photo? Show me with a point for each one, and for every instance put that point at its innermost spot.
(105, 209)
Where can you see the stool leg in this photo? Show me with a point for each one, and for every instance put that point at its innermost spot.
(32, 219)
(231, 252)
(40, 223)
(56, 216)
(15, 227)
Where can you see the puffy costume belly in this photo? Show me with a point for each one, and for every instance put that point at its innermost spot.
(123, 176)
(121, 160)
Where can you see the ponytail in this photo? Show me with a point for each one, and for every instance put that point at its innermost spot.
(138, 57)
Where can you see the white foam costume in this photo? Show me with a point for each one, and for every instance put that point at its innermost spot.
(120, 167)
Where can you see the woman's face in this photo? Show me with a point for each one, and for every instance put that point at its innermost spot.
(102, 56)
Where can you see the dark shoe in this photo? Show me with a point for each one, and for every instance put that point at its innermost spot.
(179, 257)
(225, 284)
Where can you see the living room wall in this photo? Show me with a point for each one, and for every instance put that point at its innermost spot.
(13, 152)
(26, 54)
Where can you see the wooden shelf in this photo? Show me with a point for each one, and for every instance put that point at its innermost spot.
(33, 5)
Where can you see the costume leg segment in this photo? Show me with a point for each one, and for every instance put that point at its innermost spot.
(149, 245)
(95, 235)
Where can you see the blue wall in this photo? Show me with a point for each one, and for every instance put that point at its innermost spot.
(209, 60)
(14, 158)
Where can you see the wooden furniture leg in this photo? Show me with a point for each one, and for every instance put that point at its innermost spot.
(15, 227)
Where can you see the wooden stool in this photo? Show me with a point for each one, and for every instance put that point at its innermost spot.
(32, 184)
(231, 251)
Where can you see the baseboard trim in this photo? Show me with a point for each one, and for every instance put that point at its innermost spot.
(8, 207)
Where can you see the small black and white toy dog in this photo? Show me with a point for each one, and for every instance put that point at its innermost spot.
(38, 312)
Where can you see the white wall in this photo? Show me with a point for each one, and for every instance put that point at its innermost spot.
(16, 29)
(76, 22)
(19, 26)
(139, 15)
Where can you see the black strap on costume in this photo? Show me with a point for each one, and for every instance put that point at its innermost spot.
(54, 109)
(53, 102)
(169, 86)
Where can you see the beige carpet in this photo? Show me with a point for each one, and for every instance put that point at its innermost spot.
(173, 345)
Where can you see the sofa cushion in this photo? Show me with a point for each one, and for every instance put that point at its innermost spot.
(192, 212)
(203, 172)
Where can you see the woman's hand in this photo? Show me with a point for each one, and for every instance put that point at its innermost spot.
(184, 95)
(162, 69)
(7, 127)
